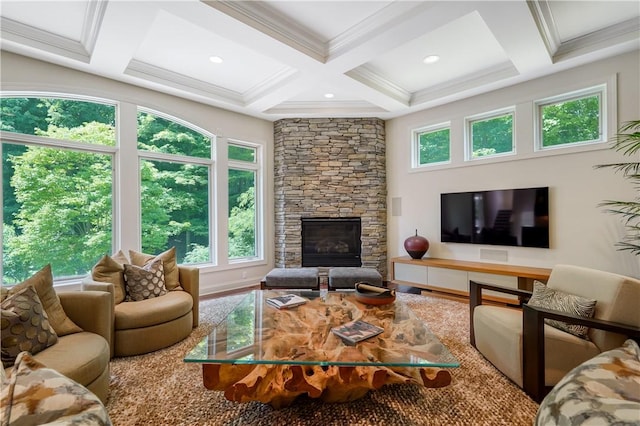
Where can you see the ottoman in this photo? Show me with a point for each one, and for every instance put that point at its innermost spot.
(347, 277)
(306, 278)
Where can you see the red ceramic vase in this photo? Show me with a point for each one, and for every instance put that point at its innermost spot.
(416, 246)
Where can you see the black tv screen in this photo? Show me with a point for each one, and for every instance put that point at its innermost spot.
(507, 217)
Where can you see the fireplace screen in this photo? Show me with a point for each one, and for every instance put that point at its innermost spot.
(331, 242)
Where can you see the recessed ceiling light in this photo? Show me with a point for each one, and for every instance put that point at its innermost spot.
(215, 59)
(328, 95)
(431, 59)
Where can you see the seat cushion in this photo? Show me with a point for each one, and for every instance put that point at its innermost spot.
(145, 313)
(347, 277)
(292, 278)
(82, 357)
(498, 334)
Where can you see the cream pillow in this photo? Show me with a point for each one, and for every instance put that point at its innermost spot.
(171, 274)
(42, 282)
(110, 269)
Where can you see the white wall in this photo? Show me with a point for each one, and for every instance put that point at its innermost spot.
(581, 233)
(23, 74)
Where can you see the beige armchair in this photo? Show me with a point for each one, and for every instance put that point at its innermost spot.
(148, 325)
(535, 355)
(84, 356)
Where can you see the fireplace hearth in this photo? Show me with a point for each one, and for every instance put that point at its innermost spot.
(331, 241)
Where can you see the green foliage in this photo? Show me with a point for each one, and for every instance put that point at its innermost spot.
(627, 141)
(65, 206)
(572, 121)
(492, 136)
(242, 224)
(434, 146)
(157, 134)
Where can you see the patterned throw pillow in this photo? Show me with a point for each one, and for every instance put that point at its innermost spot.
(144, 282)
(42, 282)
(171, 273)
(25, 326)
(36, 395)
(547, 298)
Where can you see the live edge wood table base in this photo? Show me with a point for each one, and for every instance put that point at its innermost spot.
(260, 353)
(279, 385)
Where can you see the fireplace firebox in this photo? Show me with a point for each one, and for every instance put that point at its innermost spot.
(331, 241)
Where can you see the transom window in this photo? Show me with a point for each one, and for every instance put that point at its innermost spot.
(490, 135)
(431, 145)
(571, 119)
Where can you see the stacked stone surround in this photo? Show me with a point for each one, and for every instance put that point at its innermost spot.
(333, 167)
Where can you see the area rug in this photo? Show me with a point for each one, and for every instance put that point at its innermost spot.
(160, 389)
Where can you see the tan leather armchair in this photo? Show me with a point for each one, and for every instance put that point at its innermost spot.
(84, 356)
(535, 355)
(148, 325)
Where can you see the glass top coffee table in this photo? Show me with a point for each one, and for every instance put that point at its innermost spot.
(272, 355)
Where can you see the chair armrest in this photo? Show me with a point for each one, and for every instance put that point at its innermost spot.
(92, 285)
(91, 310)
(475, 299)
(533, 342)
(189, 277)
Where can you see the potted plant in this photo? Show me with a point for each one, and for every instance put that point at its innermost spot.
(627, 141)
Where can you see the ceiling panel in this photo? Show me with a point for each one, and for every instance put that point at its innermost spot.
(465, 46)
(282, 56)
(177, 45)
(64, 18)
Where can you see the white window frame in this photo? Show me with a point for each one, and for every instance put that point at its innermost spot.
(210, 163)
(257, 167)
(600, 90)
(468, 134)
(415, 144)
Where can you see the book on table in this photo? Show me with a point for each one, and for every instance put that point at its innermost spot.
(286, 301)
(356, 331)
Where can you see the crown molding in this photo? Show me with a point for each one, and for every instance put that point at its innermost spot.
(275, 81)
(178, 81)
(93, 17)
(388, 17)
(332, 108)
(624, 32)
(368, 77)
(267, 21)
(35, 38)
(478, 79)
(543, 17)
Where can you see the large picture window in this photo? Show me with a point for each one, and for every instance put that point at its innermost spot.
(243, 185)
(57, 176)
(175, 174)
(431, 145)
(571, 119)
(490, 135)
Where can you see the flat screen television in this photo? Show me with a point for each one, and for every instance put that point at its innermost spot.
(506, 217)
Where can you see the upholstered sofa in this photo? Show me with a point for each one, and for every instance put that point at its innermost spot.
(82, 352)
(147, 325)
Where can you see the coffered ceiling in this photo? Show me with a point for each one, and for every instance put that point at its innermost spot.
(280, 58)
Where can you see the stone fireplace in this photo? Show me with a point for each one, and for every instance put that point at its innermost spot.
(330, 168)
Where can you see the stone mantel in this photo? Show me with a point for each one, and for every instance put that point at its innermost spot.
(333, 167)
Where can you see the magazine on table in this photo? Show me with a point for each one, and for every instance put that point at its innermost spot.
(356, 331)
(286, 301)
